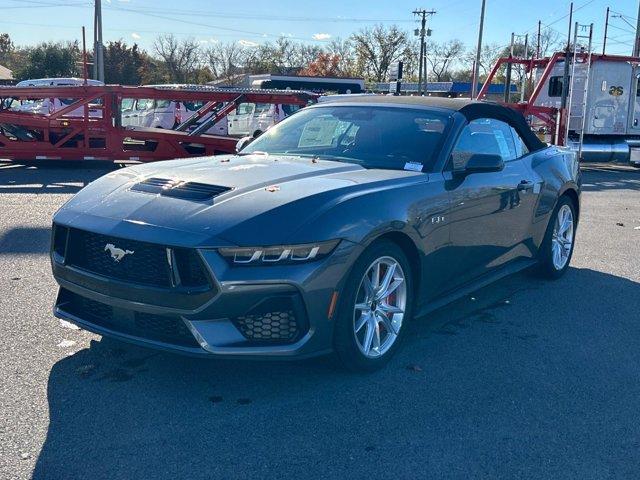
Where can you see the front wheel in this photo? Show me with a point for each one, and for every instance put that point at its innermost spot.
(376, 304)
(557, 248)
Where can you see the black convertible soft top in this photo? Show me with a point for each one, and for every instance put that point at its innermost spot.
(471, 109)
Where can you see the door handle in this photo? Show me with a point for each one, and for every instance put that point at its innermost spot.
(525, 185)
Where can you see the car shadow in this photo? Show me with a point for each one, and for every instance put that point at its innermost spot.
(600, 177)
(484, 377)
(25, 240)
(50, 178)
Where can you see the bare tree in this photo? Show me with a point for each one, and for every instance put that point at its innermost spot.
(441, 56)
(226, 59)
(181, 58)
(411, 60)
(488, 56)
(377, 48)
(550, 41)
(345, 51)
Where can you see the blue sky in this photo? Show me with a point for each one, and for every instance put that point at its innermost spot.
(251, 22)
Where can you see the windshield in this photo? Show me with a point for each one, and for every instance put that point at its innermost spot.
(374, 137)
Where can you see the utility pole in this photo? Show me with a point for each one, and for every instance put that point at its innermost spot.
(422, 33)
(606, 29)
(539, 37)
(507, 82)
(476, 66)
(565, 76)
(523, 87)
(636, 44)
(98, 52)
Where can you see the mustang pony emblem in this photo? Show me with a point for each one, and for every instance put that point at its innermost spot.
(116, 253)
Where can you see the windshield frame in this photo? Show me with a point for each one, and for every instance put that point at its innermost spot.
(429, 164)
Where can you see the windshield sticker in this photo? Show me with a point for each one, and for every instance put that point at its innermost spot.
(318, 133)
(413, 166)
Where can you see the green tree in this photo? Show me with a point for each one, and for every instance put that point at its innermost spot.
(6, 49)
(123, 64)
(50, 59)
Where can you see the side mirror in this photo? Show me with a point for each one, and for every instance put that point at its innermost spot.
(479, 163)
(243, 142)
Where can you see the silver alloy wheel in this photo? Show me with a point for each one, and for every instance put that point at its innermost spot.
(562, 238)
(380, 305)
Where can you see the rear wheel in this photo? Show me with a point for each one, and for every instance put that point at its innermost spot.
(376, 304)
(557, 248)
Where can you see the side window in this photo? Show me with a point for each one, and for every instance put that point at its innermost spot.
(127, 104)
(144, 104)
(245, 109)
(484, 135)
(290, 109)
(521, 147)
(555, 86)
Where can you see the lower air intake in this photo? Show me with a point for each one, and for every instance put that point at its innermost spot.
(275, 320)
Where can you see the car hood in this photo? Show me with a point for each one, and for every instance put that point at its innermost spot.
(270, 198)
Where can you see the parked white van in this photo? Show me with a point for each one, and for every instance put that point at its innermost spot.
(46, 106)
(167, 114)
(252, 119)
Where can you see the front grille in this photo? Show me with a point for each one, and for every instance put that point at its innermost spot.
(180, 189)
(275, 320)
(132, 261)
(142, 262)
(161, 328)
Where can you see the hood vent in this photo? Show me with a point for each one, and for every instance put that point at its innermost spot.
(179, 189)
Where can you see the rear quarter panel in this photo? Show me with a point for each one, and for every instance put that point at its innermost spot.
(556, 170)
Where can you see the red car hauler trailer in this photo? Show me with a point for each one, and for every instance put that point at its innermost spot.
(89, 127)
(601, 119)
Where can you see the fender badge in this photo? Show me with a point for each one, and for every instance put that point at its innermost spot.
(272, 188)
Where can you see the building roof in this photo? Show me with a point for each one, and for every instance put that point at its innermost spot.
(5, 73)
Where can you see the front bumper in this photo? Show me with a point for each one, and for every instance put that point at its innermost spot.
(272, 311)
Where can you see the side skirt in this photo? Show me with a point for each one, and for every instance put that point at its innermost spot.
(510, 269)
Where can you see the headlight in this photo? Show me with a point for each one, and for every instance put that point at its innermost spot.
(281, 254)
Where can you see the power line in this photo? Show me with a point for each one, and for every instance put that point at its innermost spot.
(229, 29)
(265, 17)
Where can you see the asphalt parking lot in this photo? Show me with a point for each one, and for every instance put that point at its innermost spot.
(524, 379)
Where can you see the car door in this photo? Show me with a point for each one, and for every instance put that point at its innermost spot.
(144, 112)
(491, 212)
(126, 110)
(239, 122)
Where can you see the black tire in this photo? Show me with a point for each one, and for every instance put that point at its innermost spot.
(546, 267)
(345, 345)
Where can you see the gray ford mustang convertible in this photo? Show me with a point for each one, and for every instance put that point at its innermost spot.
(326, 234)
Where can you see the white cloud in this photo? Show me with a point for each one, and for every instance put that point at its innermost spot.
(136, 36)
(321, 36)
(247, 43)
